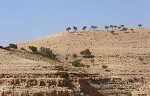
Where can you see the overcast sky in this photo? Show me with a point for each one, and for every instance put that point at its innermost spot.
(22, 20)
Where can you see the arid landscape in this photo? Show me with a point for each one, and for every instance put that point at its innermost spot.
(118, 64)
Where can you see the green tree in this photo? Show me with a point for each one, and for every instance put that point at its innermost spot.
(115, 26)
(68, 29)
(84, 28)
(107, 27)
(122, 26)
(140, 25)
(111, 26)
(75, 28)
(94, 27)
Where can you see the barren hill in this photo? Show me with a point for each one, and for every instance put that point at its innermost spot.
(96, 40)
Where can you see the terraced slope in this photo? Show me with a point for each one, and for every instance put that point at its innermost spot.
(25, 74)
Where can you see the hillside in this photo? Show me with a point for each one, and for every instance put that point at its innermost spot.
(126, 53)
(25, 74)
(96, 40)
(120, 66)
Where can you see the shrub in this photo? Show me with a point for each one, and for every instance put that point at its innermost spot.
(92, 60)
(46, 52)
(107, 70)
(131, 29)
(22, 48)
(66, 58)
(33, 49)
(74, 55)
(124, 29)
(104, 66)
(12, 46)
(114, 33)
(1, 47)
(77, 63)
(86, 53)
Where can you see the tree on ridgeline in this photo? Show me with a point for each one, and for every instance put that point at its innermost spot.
(68, 29)
(14, 46)
(111, 26)
(75, 28)
(122, 26)
(140, 25)
(84, 28)
(93, 27)
(106, 27)
(119, 27)
(115, 26)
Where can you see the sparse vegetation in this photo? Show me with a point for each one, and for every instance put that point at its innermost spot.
(92, 60)
(106, 27)
(66, 58)
(122, 26)
(119, 27)
(111, 26)
(140, 25)
(46, 52)
(131, 29)
(124, 29)
(74, 55)
(93, 27)
(87, 53)
(114, 33)
(75, 28)
(77, 63)
(104, 66)
(84, 28)
(12, 46)
(1, 46)
(33, 49)
(68, 29)
(22, 48)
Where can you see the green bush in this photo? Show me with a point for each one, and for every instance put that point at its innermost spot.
(86, 53)
(77, 63)
(12, 46)
(33, 49)
(46, 52)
